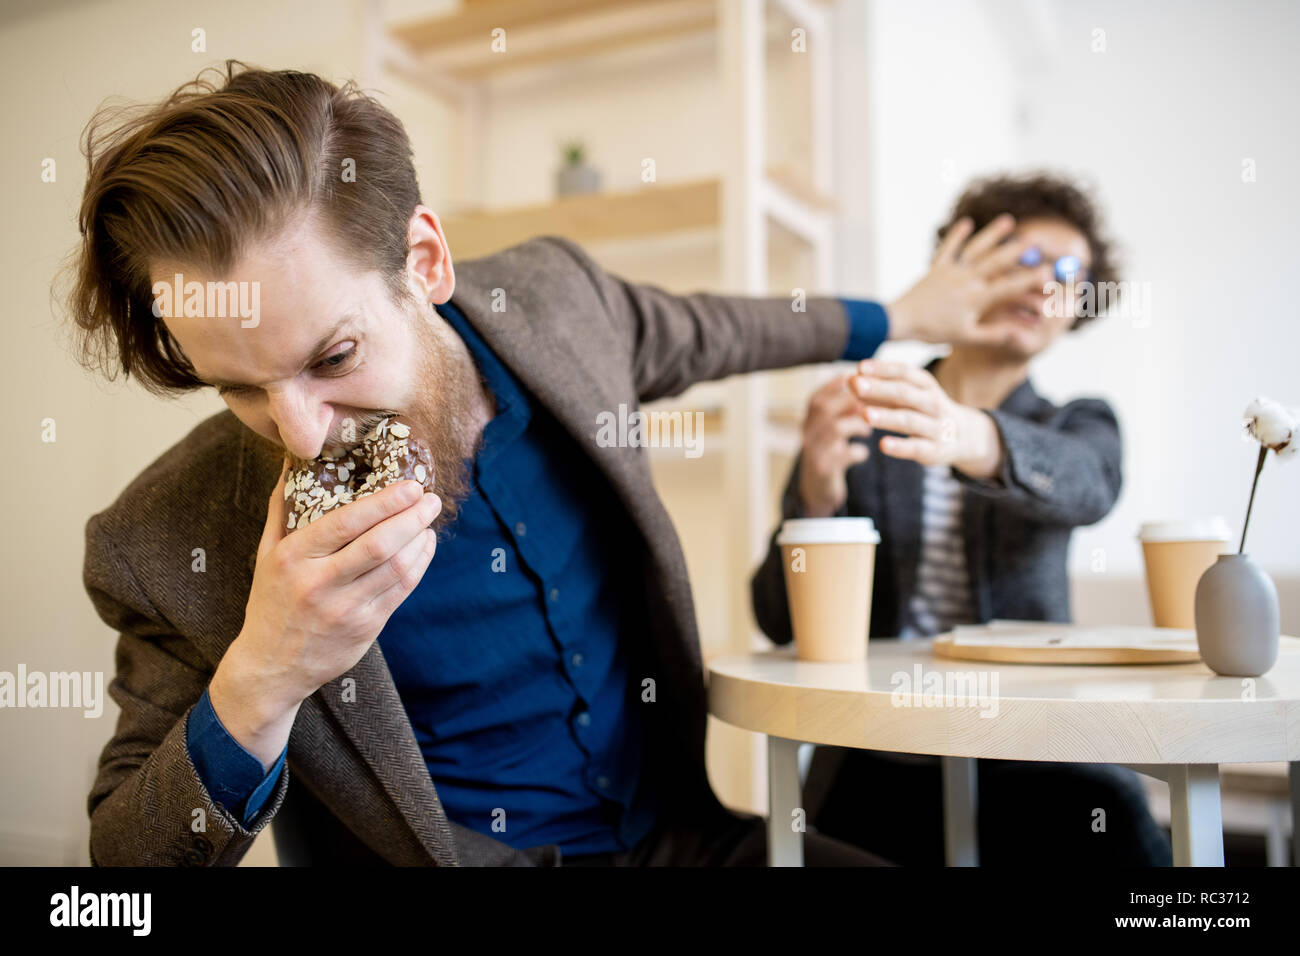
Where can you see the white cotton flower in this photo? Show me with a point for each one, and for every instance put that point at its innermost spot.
(1273, 426)
(1290, 449)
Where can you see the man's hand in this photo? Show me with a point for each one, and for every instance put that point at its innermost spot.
(834, 415)
(319, 598)
(905, 399)
(965, 278)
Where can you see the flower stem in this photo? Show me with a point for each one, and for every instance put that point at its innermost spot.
(1263, 450)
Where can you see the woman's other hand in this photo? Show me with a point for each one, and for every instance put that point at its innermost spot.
(938, 431)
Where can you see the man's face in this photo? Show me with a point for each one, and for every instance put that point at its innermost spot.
(1028, 319)
(331, 353)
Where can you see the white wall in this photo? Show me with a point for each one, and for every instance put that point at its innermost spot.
(1159, 123)
(938, 117)
(1162, 121)
(58, 64)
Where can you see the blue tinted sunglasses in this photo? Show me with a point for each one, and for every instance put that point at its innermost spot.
(1068, 268)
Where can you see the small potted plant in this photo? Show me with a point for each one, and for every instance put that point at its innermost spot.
(1237, 621)
(575, 177)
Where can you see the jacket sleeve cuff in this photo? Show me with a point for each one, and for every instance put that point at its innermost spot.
(1027, 468)
(868, 328)
(231, 774)
(1000, 484)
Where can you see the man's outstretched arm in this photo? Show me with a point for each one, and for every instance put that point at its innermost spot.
(677, 340)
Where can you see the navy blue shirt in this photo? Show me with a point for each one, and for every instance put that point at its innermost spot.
(511, 653)
(511, 656)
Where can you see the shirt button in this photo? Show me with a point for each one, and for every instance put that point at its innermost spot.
(520, 528)
(577, 660)
(584, 718)
(555, 594)
(602, 782)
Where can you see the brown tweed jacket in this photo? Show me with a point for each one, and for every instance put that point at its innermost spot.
(582, 341)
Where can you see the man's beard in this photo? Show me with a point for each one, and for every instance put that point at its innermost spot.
(442, 411)
(447, 389)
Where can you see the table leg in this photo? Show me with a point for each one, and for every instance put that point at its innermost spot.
(1295, 812)
(784, 795)
(1275, 838)
(1195, 815)
(960, 809)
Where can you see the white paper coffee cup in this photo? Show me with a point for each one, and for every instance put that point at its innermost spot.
(1176, 553)
(829, 564)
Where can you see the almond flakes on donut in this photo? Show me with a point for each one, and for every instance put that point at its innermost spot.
(388, 453)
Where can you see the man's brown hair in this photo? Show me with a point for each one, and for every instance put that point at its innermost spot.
(1039, 196)
(223, 161)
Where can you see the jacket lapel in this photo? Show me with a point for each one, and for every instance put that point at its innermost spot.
(568, 355)
(975, 516)
(977, 513)
(901, 490)
(574, 381)
(978, 518)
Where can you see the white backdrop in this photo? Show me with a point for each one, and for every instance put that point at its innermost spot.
(1160, 122)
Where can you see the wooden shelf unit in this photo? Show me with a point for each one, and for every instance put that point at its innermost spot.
(648, 211)
(464, 45)
(540, 32)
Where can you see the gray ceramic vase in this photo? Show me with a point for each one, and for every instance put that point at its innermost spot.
(1237, 620)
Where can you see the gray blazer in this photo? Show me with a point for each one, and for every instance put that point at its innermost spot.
(1062, 470)
(583, 342)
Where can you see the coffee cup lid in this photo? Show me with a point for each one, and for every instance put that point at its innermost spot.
(1186, 529)
(828, 531)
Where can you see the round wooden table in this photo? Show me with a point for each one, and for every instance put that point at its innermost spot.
(1176, 722)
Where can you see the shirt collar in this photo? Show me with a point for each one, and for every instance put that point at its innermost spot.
(513, 409)
(1021, 400)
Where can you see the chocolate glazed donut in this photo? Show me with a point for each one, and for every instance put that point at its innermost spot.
(387, 454)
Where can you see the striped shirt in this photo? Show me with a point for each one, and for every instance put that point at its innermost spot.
(941, 598)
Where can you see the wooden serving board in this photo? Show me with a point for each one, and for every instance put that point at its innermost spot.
(1033, 642)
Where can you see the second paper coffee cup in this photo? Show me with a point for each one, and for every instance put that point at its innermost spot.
(1176, 554)
(828, 571)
